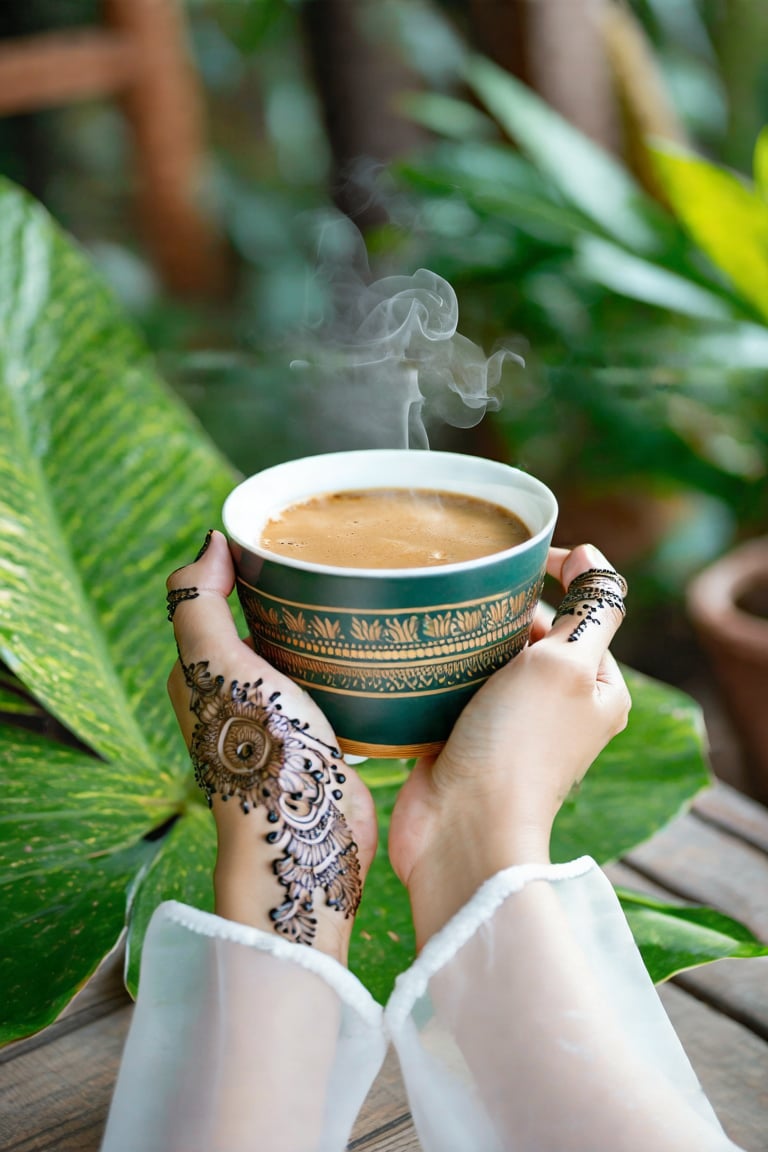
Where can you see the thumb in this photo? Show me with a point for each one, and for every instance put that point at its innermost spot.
(197, 602)
(593, 606)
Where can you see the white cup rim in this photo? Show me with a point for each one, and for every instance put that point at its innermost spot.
(510, 480)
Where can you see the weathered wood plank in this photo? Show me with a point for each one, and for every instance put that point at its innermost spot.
(392, 1139)
(731, 1063)
(385, 1123)
(57, 1095)
(708, 866)
(733, 812)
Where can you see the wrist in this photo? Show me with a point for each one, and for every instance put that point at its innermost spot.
(247, 889)
(246, 897)
(459, 860)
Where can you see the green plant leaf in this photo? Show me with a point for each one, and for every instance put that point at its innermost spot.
(587, 176)
(61, 804)
(57, 925)
(673, 937)
(446, 116)
(105, 482)
(761, 163)
(14, 698)
(643, 779)
(496, 182)
(182, 869)
(606, 263)
(106, 485)
(723, 215)
(383, 942)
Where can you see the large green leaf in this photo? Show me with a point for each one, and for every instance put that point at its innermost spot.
(674, 937)
(57, 925)
(761, 163)
(383, 941)
(106, 484)
(723, 215)
(181, 870)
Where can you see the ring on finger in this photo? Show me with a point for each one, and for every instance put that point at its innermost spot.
(589, 591)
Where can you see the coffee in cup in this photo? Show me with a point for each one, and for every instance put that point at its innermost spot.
(392, 528)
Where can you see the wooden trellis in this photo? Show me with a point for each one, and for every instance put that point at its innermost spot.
(137, 56)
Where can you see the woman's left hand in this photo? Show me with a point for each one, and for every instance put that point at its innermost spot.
(296, 825)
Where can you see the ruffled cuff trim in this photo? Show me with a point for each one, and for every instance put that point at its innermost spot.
(444, 945)
(344, 983)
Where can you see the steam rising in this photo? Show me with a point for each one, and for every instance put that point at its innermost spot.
(391, 359)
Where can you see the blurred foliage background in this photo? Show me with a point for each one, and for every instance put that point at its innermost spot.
(643, 401)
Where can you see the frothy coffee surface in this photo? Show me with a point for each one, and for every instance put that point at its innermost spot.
(392, 528)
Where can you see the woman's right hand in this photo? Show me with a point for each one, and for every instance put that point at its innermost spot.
(490, 798)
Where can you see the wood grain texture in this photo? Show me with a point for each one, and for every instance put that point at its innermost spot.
(57, 1095)
(731, 1063)
(699, 862)
(385, 1122)
(733, 812)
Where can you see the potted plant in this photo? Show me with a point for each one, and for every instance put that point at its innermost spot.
(728, 603)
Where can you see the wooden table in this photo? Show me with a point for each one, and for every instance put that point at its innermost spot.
(55, 1087)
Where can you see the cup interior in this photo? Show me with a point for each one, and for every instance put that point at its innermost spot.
(257, 499)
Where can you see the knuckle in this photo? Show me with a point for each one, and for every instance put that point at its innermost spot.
(621, 712)
(176, 578)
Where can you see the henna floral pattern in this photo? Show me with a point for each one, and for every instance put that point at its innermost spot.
(244, 747)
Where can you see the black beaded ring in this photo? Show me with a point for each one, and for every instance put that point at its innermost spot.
(602, 587)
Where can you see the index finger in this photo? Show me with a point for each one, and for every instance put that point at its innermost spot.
(197, 603)
(208, 641)
(592, 608)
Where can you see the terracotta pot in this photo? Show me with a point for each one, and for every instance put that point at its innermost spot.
(728, 605)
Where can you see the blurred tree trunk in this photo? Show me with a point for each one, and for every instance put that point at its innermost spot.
(556, 47)
(357, 80)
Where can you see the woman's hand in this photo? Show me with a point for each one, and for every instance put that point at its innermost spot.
(296, 826)
(490, 798)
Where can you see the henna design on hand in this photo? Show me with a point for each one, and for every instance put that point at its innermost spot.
(177, 596)
(587, 593)
(245, 747)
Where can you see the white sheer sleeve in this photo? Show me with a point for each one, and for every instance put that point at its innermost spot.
(241, 1041)
(529, 1024)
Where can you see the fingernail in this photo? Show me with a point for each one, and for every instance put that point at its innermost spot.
(594, 555)
(204, 547)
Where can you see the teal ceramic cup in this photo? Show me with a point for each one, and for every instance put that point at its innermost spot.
(391, 655)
